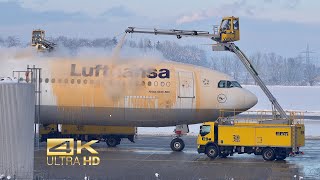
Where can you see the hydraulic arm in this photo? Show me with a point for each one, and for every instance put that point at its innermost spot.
(246, 62)
(224, 35)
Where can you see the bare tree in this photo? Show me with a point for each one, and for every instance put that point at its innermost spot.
(311, 74)
(237, 68)
(12, 41)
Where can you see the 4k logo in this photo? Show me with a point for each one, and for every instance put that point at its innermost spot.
(67, 151)
(65, 147)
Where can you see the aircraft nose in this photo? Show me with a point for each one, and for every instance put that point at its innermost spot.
(250, 100)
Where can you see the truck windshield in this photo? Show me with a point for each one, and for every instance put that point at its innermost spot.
(225, 25)
(236, 24)
(37, 34)
(204, 130)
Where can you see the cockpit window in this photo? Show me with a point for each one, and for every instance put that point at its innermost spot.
(222, 84)
(236, 84)
(228, 84)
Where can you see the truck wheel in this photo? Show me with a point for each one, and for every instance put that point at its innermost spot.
(268, 154)
(112, 142)
(212, 152)
(177, 144)
(281, 157)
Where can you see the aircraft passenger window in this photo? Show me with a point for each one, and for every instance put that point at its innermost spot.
(72, 81)
(79, 81)
(46, 80)
(222, 84)
(59, 80)
(53, 80)
(85, 81)
(66, 81)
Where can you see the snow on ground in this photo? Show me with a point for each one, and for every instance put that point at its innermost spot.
(298, 98)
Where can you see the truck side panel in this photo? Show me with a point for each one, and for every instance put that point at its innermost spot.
(273, 136)
(86, 129)
(255, 135)
(48, 129)
(236, 136)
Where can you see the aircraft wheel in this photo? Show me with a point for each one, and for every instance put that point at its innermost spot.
(177, 144)
(112, 141)
(268, 154)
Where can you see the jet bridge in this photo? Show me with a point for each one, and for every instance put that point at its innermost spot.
(225, 34)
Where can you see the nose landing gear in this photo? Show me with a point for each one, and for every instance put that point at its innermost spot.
(177, 144)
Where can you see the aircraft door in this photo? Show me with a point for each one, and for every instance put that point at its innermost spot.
(186, 85)
(186, 90)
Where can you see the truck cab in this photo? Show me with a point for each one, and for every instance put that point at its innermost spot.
(207, 140)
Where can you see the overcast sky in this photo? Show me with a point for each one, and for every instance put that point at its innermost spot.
(281, 26)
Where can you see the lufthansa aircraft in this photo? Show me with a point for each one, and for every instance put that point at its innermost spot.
(133, 92)
(129, 92)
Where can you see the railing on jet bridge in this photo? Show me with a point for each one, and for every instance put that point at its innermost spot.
(295, 117)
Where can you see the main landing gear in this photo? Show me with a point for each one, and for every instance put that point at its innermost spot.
(177, 144)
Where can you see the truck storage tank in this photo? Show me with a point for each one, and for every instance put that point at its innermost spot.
(17, 113)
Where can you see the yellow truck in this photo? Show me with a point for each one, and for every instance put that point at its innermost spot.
(112, 135)
(272, 141)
